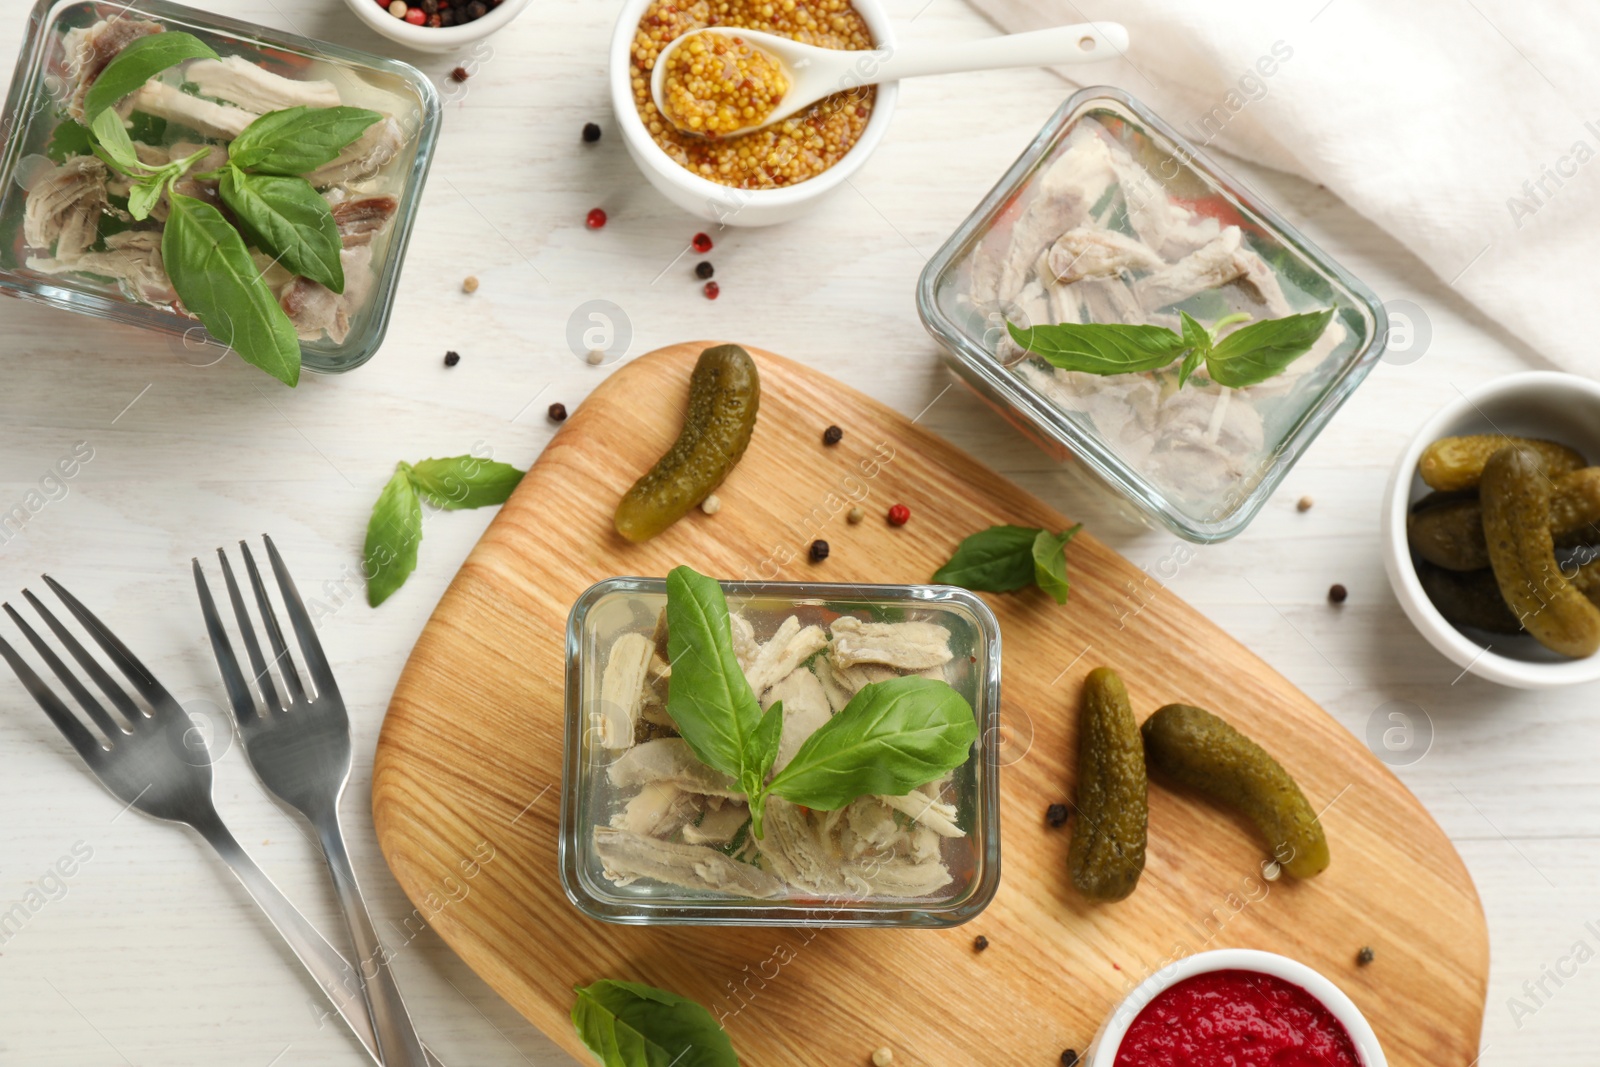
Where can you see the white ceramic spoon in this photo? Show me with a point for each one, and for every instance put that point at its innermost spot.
(818, 72)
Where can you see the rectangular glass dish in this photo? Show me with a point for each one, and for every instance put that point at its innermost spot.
(1110, 216)
(947, 843)
(37, 105)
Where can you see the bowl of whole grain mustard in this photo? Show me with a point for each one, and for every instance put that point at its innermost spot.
(769, 175)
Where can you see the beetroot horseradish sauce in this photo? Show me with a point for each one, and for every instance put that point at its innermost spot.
(1238, 1018)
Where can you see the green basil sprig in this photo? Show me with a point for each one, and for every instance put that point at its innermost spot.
(286, 219)
(892, 737)
(1002, 559)
(298, 140)
(1248, 356)
(629, 1024)
(109, 141)
(138, 63)
(395, 529)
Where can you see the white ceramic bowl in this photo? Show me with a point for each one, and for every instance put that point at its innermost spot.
(1103, 1050)
(1561, 407)
(427, 38)
(719, 203)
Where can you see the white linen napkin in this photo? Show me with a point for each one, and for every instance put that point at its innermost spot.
(1468, 129)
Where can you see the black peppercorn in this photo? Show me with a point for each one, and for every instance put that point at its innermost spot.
(1069, 1058)
(452, 358)
(1338, 594)
(1364, 957)
(819, 551)
(704, 269)
(1056, 814)
(980, 943)
(832, 435)
(477, 9)
(558, 412)
(591, 132)
(460, 74)
(447, 17)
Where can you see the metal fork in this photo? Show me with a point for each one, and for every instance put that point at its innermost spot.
(300, 749)
(147, 760)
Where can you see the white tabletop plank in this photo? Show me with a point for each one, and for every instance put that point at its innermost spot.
(151, 954)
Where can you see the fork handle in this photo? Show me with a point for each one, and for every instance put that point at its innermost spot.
(324, 963)
(398, 1044)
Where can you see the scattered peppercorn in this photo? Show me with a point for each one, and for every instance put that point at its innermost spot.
(882, 1057)
(1338, 594)
(832, 435)
(452, 358)
(596, 219)
(701, 243)
(980, 943)
(470, 285)
(855, 516)
(460, 74)
(704, 269)
(1303, 504)
(899, 515)
(712, 290)
(819, 551)
(1069, 1058)
(477, 9)
(1056, 814)
(1364, 957)
(558, 412)
(711, 504)
(595, 357)
(591, 132)
(416, 16)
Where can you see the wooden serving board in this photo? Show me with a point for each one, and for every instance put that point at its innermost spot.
(468, 776)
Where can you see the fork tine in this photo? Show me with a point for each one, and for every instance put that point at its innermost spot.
(144, 683)
(75, 732)
(233, 679)
(80, 692)
(310, 647)
(247, 630)
(269, 619)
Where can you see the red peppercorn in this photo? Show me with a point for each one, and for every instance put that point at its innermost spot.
(701, 243)
(596, 219)
(712, 290)
(416, 16)
(898, 515)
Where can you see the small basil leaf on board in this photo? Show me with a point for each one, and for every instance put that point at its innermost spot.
(629, 1024)
(298, 140)
(212, 271)
(996, 560)
(892, 737)
(465, 482)
(1198, 338)
(710, 699)
(1254, 353)
(287, 220)
(393, 534)
(1100, 348)
(114, 144)
(138, 63)
(1050, 562)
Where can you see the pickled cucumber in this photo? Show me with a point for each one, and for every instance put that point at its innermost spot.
(1515, 492)
(1447, 529)
(724, 395)
(1468, 598)
(1198, 750)
(1108, 837)
(1457, 462)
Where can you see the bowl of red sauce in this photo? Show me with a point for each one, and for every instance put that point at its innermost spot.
(1240, 1007)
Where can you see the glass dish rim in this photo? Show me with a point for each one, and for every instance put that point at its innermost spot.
(704, 913)
(970, 362)
(30, 66)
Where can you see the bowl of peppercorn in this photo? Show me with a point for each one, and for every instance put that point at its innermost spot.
(436, 25)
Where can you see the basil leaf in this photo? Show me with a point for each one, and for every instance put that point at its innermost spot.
(69, 139)
(393, 534)
(892, 737)
(298, 140)
(1101, 348)
(764, 742)
(145, 195)
(1262, 350)
(113, 142)
(1198, 338)
(1050, 562)
(212, 271)
(138, 63)
(710, 698)
(465, 481)
(287, 220)
(996, 560)
(629, 1024)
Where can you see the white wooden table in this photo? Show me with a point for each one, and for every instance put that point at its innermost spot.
(151, 954)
